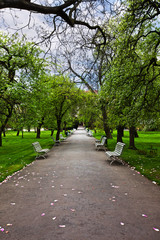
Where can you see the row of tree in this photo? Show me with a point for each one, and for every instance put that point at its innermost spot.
(125, 72)
(121, 73)
(30, 96)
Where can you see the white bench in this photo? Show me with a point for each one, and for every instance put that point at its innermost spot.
(39, 151)
(90, 133)
(101, 145)
(99, 141)
(56, 142)
(61, 137)
(116, 153)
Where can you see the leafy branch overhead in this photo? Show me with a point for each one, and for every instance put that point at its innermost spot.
(72, 12)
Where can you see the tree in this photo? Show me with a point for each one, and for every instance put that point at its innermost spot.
(134, 76)
(88, 109)
(63, 96)
(17, 59)
(88, 64)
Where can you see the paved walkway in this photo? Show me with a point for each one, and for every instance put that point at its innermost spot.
(76, 195)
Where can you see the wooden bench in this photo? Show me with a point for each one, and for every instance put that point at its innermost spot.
(116, 153)
(39, 151)
(101, 145)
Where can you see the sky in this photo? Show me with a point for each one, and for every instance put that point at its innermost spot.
(36, 27)
(28, 23)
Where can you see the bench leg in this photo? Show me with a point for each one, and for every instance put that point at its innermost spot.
(116, 159)
(41, 155)
(112, 160)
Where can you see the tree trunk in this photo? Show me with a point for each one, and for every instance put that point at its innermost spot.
(4, 133)
(0, 137)
(39, 128)
(65, 127)
(38, 132)
(2, 128)
(132, 136)
(136, 133)
(105, 125)
(17, 133)
(120, 133)
(52, 131)
(58, 129)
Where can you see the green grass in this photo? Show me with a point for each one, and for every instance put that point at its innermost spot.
(17, 152)
(143, 159)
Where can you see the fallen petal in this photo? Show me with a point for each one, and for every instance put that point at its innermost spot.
(54, 218)
(122, 223)
(62, 226)
(156, 229)
(73, 210)
(43, 214)
(144, 215)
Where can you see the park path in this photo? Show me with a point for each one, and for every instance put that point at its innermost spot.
(75, 194)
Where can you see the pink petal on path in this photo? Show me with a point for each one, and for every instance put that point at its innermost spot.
(156, 229)
(62, 226)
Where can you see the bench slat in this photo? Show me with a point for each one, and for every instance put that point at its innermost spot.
(38, 149)
(116, 153)
(101, 145)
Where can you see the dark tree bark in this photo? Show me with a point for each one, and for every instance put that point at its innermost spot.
(120, 134)
(0, 138)
(17, 132)
(2, 128)
(4, 133)
(52, 131)
(105, 125)
(39, 128)
(58, 129)
(132, 136)
(38, 132)
(136, 133)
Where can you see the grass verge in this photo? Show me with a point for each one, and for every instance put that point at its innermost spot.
(17, 152)
(146, 159)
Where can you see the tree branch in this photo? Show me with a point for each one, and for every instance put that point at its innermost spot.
(65, 11)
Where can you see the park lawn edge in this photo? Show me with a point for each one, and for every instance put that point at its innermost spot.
(141, 160)
(128, 155)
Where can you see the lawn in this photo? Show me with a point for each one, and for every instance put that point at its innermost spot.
(17, 152)
(144, 159)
